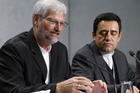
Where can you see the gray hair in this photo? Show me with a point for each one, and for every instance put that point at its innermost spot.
(42, 6)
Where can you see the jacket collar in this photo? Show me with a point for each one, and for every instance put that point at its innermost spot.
(101, 64)
(37, 55)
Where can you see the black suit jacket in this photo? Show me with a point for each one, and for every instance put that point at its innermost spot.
(137, 78)
(23, 69)
(88, 62)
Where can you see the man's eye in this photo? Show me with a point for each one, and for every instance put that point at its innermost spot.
(62, 23)
(113, 33)
(103, 32)
(53, 21)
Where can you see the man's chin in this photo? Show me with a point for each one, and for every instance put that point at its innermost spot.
(108, 50)
(53, 41)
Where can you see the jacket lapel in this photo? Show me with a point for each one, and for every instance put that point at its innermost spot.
(119, 66)
(37, 55)
(53, 60)
(100, 63)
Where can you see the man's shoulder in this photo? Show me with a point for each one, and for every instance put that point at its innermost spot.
(119, 52)
(17, 40)
(59, 45)
(85, 50)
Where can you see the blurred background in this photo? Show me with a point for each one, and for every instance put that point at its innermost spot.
(16, 17)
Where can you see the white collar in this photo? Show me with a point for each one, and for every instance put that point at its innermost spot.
(106, 54)
(42, 49)
(108, 58)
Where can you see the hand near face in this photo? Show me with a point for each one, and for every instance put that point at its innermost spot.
(99, 87)
(75, 85)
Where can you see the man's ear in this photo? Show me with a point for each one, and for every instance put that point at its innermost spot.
(35, 19)
(94, 35)
(120, 35)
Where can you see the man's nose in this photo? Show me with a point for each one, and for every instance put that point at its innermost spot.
(57, 27)
(108, 36)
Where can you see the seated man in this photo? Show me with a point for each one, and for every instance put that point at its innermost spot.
(36, 62)
(100, 60)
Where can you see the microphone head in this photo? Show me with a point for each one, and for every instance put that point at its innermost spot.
(138, 54)
(132, 53)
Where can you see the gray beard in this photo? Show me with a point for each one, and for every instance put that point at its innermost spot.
(52, 41)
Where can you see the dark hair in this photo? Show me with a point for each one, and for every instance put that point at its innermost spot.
(106, 17)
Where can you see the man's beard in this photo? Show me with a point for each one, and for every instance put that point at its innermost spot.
(51, 41)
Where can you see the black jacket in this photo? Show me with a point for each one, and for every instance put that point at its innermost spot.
(89, 62)
(23, 69)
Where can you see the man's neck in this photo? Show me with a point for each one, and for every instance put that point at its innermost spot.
(45, 46)
(109, 53)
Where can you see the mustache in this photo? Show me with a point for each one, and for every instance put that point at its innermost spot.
(107, 42)
(55, 31)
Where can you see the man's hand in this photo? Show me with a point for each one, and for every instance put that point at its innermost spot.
(136, 90)
(99, 87)
(75, 85)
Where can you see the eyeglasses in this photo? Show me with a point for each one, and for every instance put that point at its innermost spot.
(55, 23)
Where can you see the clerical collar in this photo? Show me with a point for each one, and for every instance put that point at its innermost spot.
(108, 58)
(106, 54)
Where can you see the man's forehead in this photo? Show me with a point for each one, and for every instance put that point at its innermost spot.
(112, 24)
(53, 12)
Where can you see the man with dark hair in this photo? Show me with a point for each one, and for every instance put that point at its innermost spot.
(100, 60)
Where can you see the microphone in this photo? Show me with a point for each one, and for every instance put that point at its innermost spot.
(132, 53)
(137, 57)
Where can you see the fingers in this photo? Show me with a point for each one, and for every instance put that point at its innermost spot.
(84, 84)
(82, 78)
(88, 89)
(74, 85)
(136, 90)
(99, 87)
(99, 82)
(81, 85)
(83, 81)
(84, 88)
(105, 87)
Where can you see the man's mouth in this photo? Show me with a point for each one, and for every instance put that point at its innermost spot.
(54, 32)
(108, 44)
